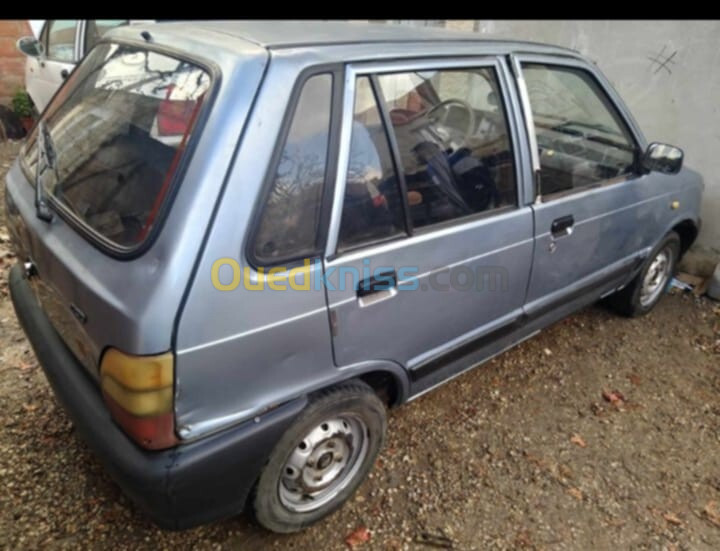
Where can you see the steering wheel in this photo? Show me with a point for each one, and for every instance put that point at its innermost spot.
(471, 124)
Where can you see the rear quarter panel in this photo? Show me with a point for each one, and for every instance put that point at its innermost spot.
(241, 351)
(131, 304)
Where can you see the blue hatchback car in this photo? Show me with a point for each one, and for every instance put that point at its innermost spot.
(242, 242)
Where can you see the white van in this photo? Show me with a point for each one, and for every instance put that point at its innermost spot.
(59, 45)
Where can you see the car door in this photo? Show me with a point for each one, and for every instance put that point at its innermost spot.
(587, 193)
(45, 74)
(429, 248)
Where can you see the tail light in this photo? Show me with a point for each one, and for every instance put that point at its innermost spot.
(138, 391)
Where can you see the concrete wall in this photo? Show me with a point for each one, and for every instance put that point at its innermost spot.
(12, 62)
(668, 72)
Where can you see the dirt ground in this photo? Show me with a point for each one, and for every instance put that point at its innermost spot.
(523, 452)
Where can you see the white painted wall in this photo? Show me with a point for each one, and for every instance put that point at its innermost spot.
(677, 104)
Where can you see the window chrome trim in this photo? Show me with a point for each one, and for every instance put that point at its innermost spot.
(348, 108)
(529, 122)
(402, 66)
(373, 68)
(79, 32)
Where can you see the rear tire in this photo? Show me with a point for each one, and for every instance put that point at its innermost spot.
(641, 295)
(321, 459)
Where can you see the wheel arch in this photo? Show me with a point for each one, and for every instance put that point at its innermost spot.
(388, 379)
(688, 231)
(386, 386)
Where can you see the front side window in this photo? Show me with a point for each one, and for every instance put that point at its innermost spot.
(372, 208)
(582, 139)
(289, 223)
(61, 40)
(453, 141)
(119, 128)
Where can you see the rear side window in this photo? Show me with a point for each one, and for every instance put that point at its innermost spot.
(289, 222)
(119, 129)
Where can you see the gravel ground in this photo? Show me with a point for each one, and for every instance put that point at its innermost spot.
(524, 452)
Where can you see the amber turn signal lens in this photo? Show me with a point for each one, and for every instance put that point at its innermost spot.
(138, 372)
(142, 403)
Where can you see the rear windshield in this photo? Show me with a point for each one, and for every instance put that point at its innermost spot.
(118, 129)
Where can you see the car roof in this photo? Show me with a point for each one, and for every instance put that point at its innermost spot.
(292, 34)
(274, 35)
(326, 41)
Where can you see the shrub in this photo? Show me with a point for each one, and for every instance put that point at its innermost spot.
(21, 103)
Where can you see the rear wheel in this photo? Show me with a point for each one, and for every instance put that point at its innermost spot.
(321, 459)
(645, 291)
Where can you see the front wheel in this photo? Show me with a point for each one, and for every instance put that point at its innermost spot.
(321, 459)
(645, 291)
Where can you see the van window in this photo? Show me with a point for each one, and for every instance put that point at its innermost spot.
(453, 141)
(119, 128)
(581, 137)
(372, 209)
(61, 40)
(289, 223)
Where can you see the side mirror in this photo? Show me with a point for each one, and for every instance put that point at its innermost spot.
(661, 157)
(30, 46)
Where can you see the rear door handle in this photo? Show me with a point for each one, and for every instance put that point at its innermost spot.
(562, 226)
(381, 286)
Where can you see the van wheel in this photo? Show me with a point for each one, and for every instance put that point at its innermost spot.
(646, 290)
(321, 459)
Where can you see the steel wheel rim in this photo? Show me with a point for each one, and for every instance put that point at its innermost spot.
(323, 463)
(656, 277)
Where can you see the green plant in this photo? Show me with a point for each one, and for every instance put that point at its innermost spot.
(21, 103)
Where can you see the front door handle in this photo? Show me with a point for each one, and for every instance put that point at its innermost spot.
(377, 288)
(562, 226)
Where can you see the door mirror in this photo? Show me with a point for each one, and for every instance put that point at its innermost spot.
(30, 46)
(661, 157)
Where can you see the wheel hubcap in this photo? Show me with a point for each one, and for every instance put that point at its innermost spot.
(656, 277)
(323, 463)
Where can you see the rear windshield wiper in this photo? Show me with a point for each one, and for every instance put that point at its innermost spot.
(46, 158)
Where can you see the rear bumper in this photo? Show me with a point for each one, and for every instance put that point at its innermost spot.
(178, 488)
